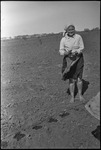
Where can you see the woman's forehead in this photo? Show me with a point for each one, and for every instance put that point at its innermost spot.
(69, 31)
(71, 28)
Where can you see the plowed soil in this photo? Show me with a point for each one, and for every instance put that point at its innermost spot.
(35, 107)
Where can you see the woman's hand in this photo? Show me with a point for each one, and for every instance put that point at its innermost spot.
(67, 52)
(74, 51)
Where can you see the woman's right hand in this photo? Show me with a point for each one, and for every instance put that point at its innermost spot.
(67, 52)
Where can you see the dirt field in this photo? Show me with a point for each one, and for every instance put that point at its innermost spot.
(35, 107)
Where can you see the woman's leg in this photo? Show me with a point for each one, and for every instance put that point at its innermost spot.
(79, 85)
(72, 87)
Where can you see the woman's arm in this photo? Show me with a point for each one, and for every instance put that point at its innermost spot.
(78, 49)
(81, 45)
(63, 50)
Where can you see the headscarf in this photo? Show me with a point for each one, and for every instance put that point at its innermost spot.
(67, 28)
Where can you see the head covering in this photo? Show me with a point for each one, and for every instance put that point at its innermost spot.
(69, 28)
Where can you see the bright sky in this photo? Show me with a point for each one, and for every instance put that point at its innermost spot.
(36, 17)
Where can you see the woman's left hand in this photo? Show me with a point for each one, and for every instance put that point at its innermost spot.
(74, 52)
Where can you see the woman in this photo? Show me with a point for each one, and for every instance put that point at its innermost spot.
(71, 47)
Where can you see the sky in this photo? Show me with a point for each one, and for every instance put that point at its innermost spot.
(37, 17)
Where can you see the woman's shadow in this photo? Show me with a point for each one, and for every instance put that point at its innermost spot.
(84, 87)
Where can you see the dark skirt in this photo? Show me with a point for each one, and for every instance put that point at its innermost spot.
(73, 71)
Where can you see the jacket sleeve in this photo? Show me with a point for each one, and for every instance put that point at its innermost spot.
(61, 49)
(81, 45)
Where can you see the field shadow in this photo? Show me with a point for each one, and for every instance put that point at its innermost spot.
(84, 88)
(96, 133)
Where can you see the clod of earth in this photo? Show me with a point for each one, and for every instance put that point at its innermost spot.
(77, 109)
(18, 63)
(19, 136)
(37, 127)
(52, 120)
(63, 114)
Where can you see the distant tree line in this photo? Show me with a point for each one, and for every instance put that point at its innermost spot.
(94, 29)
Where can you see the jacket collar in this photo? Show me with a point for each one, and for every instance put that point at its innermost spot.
(68, 37)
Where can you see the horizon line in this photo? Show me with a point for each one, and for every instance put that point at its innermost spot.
(49, 33)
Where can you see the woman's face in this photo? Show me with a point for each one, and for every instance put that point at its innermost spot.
(71, 32)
